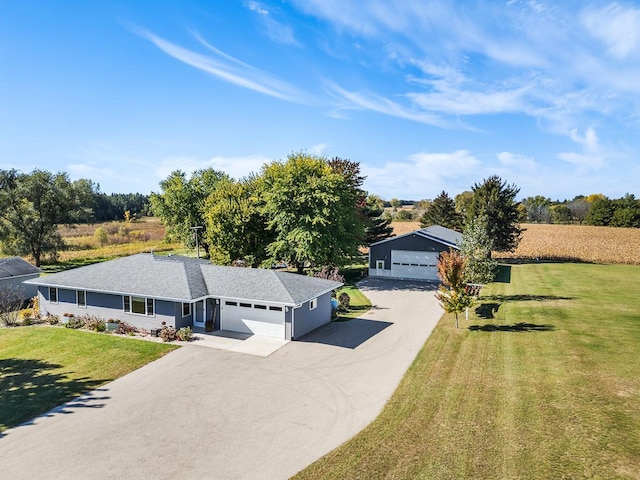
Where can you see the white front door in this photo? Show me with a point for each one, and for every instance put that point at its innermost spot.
(198, 311)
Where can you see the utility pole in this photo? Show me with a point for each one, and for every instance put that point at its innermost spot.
(195, 234)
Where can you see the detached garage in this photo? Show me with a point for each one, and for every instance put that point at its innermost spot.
(414, 255)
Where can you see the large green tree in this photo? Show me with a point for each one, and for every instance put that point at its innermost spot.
(311, 207)
(236, 226)
(442, 211)
(181, 204)
(494, 202)
(32, 205)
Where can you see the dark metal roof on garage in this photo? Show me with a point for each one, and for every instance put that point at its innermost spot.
(436, 233)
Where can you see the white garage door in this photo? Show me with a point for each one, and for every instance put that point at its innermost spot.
(418, 265)
(257, 319)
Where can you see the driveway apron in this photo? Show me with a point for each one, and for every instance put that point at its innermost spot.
(202, 413)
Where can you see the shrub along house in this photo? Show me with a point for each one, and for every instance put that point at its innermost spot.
(413, 255)
(146, 290)
(14, 271)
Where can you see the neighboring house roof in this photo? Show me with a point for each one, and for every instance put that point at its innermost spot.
(181, 278)
(437, 233)
(16, 267)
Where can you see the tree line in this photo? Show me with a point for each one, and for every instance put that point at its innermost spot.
(306, 211)
(596, 209)
(32, 205)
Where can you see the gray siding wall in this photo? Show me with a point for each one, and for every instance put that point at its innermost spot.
(410, 242)
(107, 306)
(305, 320)
(29, 291)
(183, 321)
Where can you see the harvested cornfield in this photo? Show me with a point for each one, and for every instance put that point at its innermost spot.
(400, 228)
(580, 243)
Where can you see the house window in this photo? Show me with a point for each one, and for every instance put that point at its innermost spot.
(245, 305)
(186, 309)
(379, 264)
(81, 297)
(138, 305)
(260, 307)
(275, 309)
(53, 295)
(313, 304)
(231, 304)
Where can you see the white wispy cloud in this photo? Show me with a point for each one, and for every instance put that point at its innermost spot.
(423, 175)
(318, 149)
(348, 100)
(617, 26)
(277, 31)
(228, 68)
(593, 156)
(549, 61)
(237, 167)
(516, 160)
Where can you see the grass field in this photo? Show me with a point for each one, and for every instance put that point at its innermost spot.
(545, 384)
(581, 243)
(42, 367)
(122, 238)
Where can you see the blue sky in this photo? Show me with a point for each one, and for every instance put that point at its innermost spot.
(427, 96)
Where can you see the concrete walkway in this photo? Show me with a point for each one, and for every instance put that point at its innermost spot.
(238, 342)
(202, 413)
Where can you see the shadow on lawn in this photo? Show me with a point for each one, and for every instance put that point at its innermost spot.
(516, 327)
(29, 388)
(525, 298)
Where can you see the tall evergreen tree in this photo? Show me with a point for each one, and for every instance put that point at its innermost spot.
(442, 211)
(377, 227)
(494, 201)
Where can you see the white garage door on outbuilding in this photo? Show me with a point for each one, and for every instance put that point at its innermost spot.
(253, 318)
(415, 265)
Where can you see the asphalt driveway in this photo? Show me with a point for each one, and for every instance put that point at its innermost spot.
(205, 413)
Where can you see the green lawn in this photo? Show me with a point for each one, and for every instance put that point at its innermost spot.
(545, 385)
(42, 367)
(358, 306)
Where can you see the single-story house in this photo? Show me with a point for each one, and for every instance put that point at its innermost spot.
(413, 255)
(14, 271)
(146, 290)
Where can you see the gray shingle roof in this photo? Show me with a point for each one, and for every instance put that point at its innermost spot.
(16, 267)
(184, 278)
